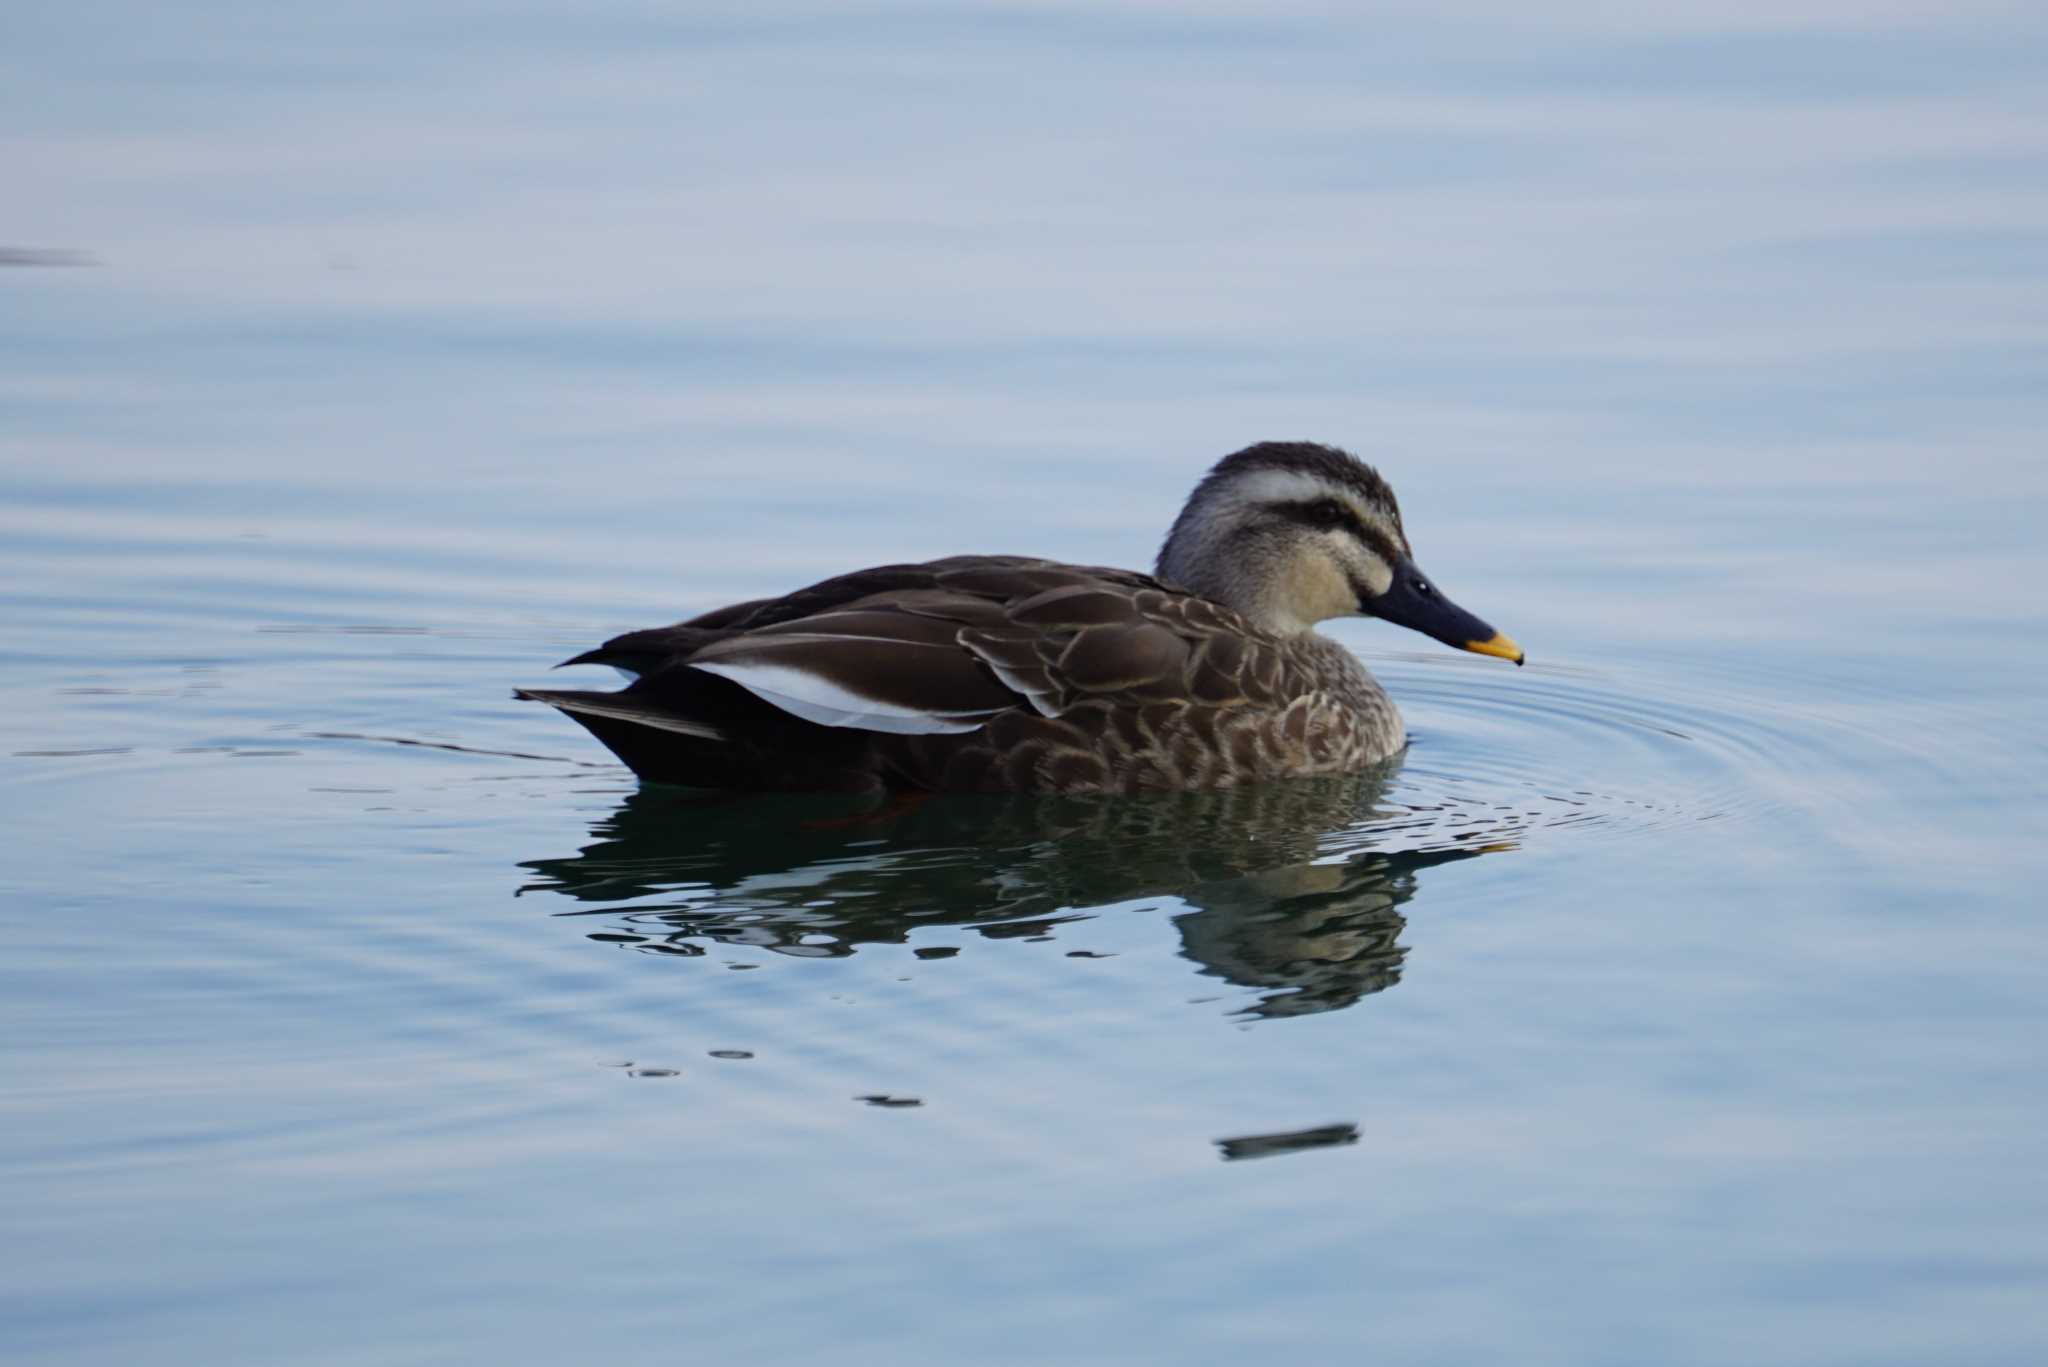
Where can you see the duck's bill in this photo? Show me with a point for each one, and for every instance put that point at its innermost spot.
(1414, 602)
(1496, 644)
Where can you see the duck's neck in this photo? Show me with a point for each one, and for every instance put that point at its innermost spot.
(1276, 593)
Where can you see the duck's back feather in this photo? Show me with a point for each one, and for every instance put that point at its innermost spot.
(981, 672)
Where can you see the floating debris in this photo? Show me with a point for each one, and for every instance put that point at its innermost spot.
(46, 256)
(1288, 1141)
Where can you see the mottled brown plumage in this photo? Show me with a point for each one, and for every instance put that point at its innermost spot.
(1009, 674)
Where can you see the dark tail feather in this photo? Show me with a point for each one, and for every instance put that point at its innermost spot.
(649, 651)
(617, 707)
(654, 743)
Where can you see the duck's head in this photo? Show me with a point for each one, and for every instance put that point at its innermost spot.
(1292, 533)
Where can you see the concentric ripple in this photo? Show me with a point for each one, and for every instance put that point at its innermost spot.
(1295, 889)
(1634, 749)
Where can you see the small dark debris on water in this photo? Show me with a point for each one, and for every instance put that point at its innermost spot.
(936, 951)
(732, 1053)
(654, 1072)
(891, 1102)
(46, 256)
(1088, 954)
(1287, 1141)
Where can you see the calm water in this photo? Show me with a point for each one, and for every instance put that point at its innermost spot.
(1675, 999)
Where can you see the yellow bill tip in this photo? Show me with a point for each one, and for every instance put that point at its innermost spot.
(1497, 645)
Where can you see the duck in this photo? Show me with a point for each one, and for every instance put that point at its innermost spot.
(1010, 674)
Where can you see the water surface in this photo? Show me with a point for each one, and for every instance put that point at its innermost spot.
(1672, 999)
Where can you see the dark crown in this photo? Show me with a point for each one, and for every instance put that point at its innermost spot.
(1328, 463)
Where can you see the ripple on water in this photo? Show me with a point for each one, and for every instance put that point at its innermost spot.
(1292, 889)
(1638, 748)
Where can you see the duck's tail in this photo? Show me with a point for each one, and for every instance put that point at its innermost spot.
(655, 741)
(617, 707)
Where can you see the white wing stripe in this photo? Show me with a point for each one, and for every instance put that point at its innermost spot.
(818, 699)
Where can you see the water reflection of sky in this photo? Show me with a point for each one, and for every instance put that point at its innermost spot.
(1758, 239)
(357, 363)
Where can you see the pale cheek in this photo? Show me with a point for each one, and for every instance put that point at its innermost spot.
(1367, 571)
(1320, 590)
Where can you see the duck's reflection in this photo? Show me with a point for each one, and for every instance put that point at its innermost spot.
(1294, 889)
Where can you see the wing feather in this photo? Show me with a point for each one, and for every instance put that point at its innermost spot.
(818, 698)
(943, 647)
(869, 670)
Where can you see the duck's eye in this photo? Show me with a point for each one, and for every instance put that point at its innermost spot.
(1326, 512)
(1424, 588)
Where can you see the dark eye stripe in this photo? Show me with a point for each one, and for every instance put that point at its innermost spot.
(1375, 539)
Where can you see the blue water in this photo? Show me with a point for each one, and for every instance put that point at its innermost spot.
(1674, 999)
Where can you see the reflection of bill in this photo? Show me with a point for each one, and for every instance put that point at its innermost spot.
(1292, 887)
(1320, 935)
